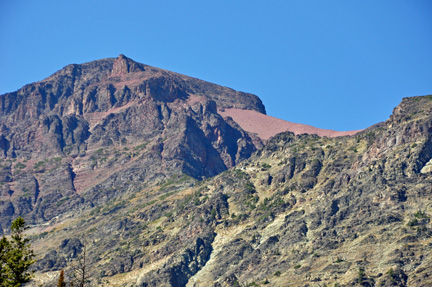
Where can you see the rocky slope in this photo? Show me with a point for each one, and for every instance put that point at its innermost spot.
(92, 131)
(303, 211)
(135, 166)
(265, 126)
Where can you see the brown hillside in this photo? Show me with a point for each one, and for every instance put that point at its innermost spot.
(266, 126)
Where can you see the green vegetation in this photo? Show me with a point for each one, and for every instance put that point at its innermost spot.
(361, 275)
(419, 219)
(213, 214)
(413, 222)
(141, 146)
(38, 164)
(421, 215)
(239, 173)
(353, 149)
(19, 166)
(16, 257)
(195, 198)
(112, 207)
(391, 274)
(265, 166)
(176, 179)
(56, 159)
(250, 187)
(252, 201)
(61, 201)
(166, 195)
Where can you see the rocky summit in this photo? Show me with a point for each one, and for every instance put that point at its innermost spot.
(143, 172)
(92, 131)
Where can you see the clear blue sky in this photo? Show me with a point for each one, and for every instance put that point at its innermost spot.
(339, 65)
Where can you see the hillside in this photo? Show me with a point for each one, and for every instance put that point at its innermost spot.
(92, 131)
(265, 126)
(84, 134)
(149, 173)
(303, 211)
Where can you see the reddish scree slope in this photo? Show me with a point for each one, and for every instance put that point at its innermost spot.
(266, 126)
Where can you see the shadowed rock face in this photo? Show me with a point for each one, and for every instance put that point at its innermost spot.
(83, 134)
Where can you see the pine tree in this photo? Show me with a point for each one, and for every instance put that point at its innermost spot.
(61, 282)
(4, 248)
(17, 257)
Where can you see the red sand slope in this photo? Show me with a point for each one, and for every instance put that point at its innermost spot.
(266, 126)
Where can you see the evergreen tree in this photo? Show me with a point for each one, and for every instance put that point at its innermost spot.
(16, 257)
(4, 248)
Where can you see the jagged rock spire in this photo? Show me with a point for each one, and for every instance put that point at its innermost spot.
(124, 65)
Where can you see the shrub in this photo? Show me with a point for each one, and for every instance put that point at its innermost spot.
(266, 166)
(391, 273)
(361, 275)
(20, 166)
(38, 164)
(413, 222)
(421, 214)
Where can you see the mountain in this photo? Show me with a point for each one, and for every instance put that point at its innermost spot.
(85, 133)
(303, 211)
(166, 180)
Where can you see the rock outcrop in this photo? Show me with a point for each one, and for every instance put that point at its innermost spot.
(79, 137)
(135, 165)
(303, 211)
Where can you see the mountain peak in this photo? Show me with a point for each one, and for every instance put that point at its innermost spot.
(124, 65)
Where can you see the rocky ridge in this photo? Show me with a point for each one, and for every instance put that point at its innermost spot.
(136, 165)
(81, 136)
(303, 211)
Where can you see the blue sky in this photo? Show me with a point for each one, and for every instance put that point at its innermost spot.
(339, 65)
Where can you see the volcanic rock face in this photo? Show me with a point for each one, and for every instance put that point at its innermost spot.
(84, 133)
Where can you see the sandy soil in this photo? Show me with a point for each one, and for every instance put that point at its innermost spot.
(266, 126)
